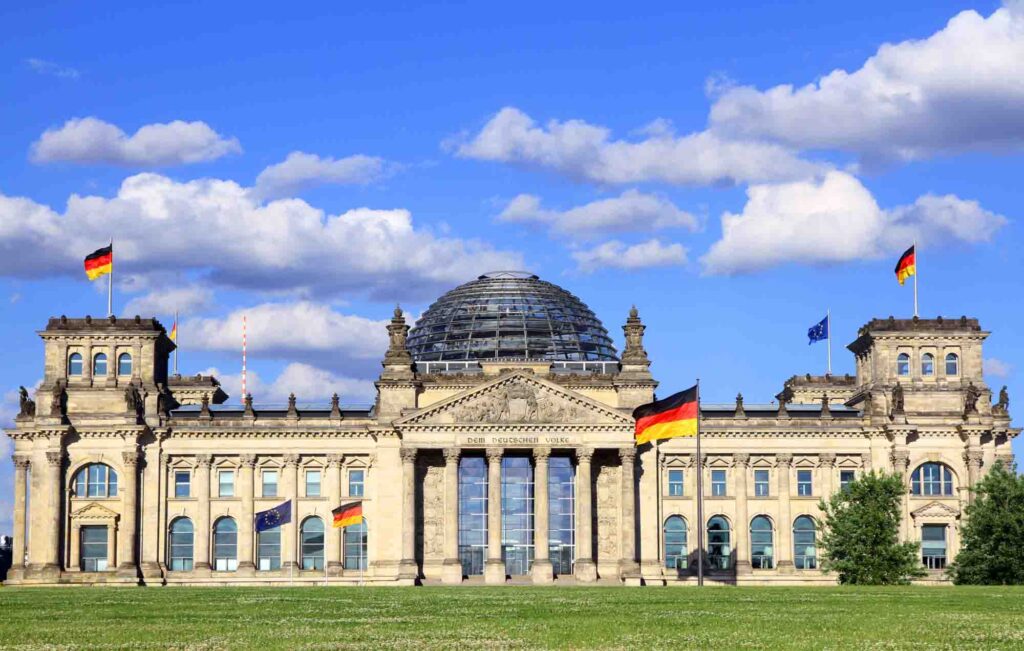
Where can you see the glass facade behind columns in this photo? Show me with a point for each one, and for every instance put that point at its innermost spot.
(472, 514)
(517, 514)
(561, 514)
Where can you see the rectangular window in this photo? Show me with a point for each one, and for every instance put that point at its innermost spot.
(355, 483)
(933, 546)
(803, 483)
(312, 483)
(846, 478)
(226, 483)
(718, 483)
(675, 482)
(94, 548)
(181, 484)
(269, 483)
(761, 483)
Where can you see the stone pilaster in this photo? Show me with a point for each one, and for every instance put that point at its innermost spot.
(129, 489)
(741, 463)
(21, 466)
(827, 465)
(333, 492)
(246, 524)
(53, 485)
(900, 461)
(291, 492)
(542, 570)
(650, 499)
(628, 567)
(201, 538)
(784, 551)
(494, 568)
(585, 569)
(451, 568)
(407, 567)
(973, 459)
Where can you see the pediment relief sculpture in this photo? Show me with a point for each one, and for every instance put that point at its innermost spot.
(935, 510)
(94, 512)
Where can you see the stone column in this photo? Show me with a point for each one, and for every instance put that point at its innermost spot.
(494, 568)
(247, 521)
(542, 570)
(129, 489)
(111, 537)
(741, 464)
(21, 464)
(973, 459)
(76, 548)
(201, 539)
(784, 549)
(451, 568)
(54, 485)
(585, 569)
(650, 528)
(291, 492)
(407, 567)
(628, 566)
(332, 536)
(900, 461)
(827, 463)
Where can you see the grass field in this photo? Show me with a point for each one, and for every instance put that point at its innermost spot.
(519, 617)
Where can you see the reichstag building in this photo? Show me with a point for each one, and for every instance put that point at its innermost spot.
(499, 449)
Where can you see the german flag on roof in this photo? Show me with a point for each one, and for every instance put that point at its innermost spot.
(674, 416)
(907, 266)
(100, 262)
(347, 514)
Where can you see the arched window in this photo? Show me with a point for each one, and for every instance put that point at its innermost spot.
(179, 546)
(805, 543)
(355, 546)
(675, 543)
(225, 545)
(312, 534)
(932, 479)
(124, 364)
(96, 480)
(952, 364)
(903, 364)
(99, 365)
(268, 549)
(719, 544)
(762, 549)
(927, 364)
(75, 364)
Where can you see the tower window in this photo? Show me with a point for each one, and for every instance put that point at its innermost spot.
(99, 365)
(903, 364)
(952, 364)
(927, 364)
(75, 364)
(124, 364)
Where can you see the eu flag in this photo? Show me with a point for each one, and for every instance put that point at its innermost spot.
(818, 331)
(280, 514)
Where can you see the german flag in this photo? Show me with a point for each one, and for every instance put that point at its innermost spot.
(100, 262)
(347, 514)
(907, 266)
(674, 416)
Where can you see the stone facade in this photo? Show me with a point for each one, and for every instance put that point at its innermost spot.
(180, 455)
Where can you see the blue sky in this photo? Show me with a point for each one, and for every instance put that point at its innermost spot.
(733, 170)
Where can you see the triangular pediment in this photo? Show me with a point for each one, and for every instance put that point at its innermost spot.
(94, 512)
(518, 397)
(936, 510)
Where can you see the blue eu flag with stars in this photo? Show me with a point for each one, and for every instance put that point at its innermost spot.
(818, 331)
(280, 514)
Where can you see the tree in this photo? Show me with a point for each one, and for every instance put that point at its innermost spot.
(860, 533)
(992, 549)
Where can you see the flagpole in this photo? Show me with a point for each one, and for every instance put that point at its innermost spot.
(177, 336)
(916, 271)
(828, 317)
(700, 500)
(110, 281)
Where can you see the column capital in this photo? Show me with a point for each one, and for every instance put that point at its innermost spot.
(335, 460)
(54, 458)
(542, 453)
(627, 454)
(408, 454)
(451, 455)
(584, 454)
(21, 461)
(247, 460)
(494, 455)
(290, 460)
(203, 460)
(741, 459)
(974, 458)
(865, 460)
(785, 459)
(827, 459)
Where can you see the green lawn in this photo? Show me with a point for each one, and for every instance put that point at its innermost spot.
(512, 617)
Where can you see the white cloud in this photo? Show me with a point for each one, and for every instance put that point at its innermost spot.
(309, 384)
(91, 140)
(959, 89)
(584, 151)
(45, 67)
(300, 171)
(997, 367)
(836, 219)
(617, 255)
(220, 232)
(164, 302)
(631, 211)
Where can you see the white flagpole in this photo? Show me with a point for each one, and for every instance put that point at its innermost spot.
(916, 271)
(177, 336)
(828, 321)
(110, 281)
(700, 500)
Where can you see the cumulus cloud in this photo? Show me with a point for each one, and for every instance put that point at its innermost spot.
(227, 238)
(836, 219)
(631, 211)
(167, 301)
(617, 255)
(309, 384)
(44, 67)
(587, 152)
(91, 140)
(301, 171)
(997, 367)
(959, 89)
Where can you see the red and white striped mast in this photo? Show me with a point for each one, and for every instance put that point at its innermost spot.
(243, 359)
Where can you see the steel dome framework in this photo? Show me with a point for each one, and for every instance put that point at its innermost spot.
(510, 314)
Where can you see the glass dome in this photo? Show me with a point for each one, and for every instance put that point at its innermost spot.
(510, 314)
